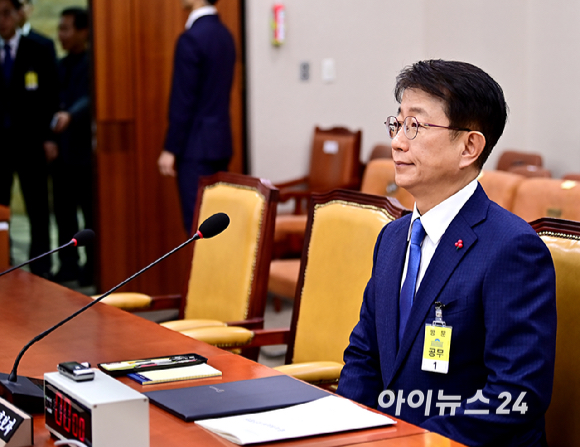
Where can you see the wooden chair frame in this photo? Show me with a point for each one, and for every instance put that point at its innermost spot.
(259, 288)
(300, 190)
(265, 337)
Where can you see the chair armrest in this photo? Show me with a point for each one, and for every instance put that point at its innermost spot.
(129, 301)
(222, 337)
(313, 372)
(185, 325)
(267, 337)
(251, 324)
(137, 302)
(166, 302)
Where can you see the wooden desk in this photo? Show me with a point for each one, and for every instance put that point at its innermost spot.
(29, 305)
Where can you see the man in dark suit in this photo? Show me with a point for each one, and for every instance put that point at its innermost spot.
(28, 100)
(26, 28)
(199, 138)
(457, 329)
(72, 168)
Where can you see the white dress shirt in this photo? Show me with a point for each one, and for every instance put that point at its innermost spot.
(435, 222)
(199, 12)
(13, 46)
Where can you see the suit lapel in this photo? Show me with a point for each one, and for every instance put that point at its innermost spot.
(445, 260)
(394, 269)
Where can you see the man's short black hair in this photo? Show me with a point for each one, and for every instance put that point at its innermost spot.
(212, 2)
(16, 3)
(80, 17)
(471, 98)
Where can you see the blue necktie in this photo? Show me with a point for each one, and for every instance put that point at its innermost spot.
(8, 61)
(408, 290)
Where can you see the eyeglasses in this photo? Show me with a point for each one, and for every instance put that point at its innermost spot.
(411, 126)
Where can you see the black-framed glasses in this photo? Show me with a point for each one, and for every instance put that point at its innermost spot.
(411, 126)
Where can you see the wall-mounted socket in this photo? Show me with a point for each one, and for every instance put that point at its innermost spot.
(304, 71)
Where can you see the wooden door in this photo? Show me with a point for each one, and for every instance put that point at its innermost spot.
(138, 216)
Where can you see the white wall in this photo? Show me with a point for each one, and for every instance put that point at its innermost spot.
(531, 48)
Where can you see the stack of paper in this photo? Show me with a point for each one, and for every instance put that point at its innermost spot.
(175, 374)
(330, 414)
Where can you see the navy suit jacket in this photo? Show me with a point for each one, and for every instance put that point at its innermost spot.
(30, 107)
(499, 295)
(199, 116)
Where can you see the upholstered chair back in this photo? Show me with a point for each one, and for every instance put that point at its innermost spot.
(341, 234)
(563, 240)
(501, 186)
(545, 197)
(229, 272)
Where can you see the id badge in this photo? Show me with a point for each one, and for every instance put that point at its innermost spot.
(437, 345)
(31, 80)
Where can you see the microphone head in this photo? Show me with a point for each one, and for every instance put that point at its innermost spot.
(83, 237)
(213, 225)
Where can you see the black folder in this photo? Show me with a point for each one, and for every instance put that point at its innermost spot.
(231, 398)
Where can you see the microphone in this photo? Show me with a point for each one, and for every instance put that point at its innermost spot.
(21, 391)
(80, 239)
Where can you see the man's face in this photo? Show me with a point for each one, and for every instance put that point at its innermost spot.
(8, 19)
(71, 39)
(431, 161)
(24, 12)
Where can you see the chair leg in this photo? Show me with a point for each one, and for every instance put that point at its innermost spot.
(251, 353)
(277, 304)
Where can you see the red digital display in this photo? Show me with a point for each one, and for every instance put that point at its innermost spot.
(65, 416)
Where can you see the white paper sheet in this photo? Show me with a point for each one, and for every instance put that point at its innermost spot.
(330, 414)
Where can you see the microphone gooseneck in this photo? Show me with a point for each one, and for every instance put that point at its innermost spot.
(213, 226)
(80, 239)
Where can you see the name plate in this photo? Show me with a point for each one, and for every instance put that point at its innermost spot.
(15, 426)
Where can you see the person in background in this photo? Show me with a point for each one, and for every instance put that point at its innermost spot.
(71, 156)
(199, 137)
(28, 100)
(457, 330)
(24, 15)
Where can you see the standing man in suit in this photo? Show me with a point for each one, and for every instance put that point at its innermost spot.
(199, 137)
(71, 169)
(28, 100)
(457, 328)
(24, 15)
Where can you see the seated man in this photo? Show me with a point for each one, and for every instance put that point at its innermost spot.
(457, 328)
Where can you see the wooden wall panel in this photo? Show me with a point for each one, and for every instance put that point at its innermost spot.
(138, 211)
(113, 55)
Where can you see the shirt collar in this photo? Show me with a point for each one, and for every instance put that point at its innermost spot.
(26, 29)
(437, 219)
(13, 42)
(199, 12)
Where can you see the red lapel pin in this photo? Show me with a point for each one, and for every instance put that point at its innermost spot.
(459, 244)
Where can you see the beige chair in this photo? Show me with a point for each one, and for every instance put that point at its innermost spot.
(378, 179)
(4, 238)
(228, 275)
(531, 171)
(563, 239)
(341, 233)
(334, 163)
(501, 186)
(546, 197)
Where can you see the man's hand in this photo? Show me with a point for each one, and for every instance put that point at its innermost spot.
(50, 150)
(62, 121)
(166, 163)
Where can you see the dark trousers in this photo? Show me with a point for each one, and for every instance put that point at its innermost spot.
(30, 165)
(188, 174)
(72, 188)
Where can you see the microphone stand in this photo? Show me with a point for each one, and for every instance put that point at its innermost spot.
(21, 391)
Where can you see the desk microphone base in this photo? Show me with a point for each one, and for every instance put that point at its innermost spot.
(23, 394)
